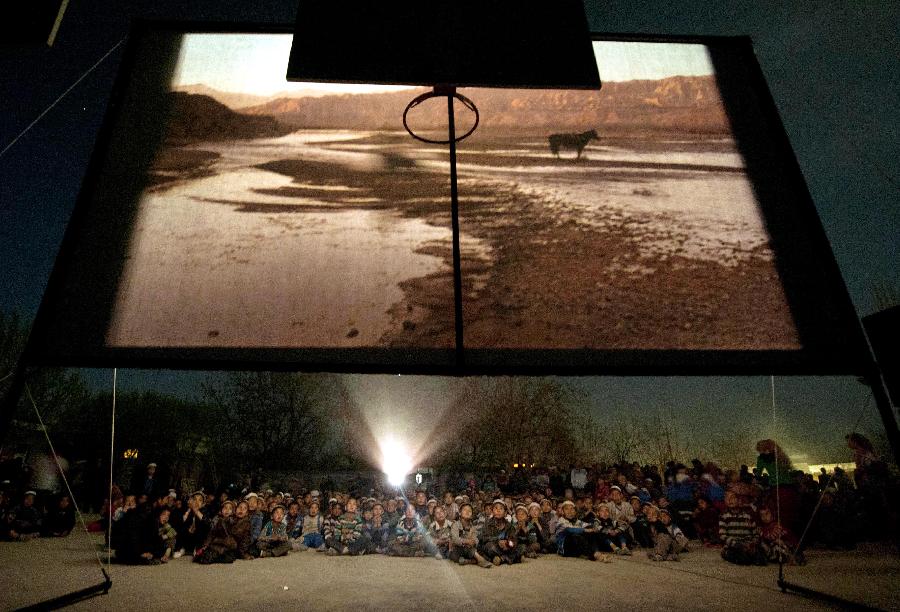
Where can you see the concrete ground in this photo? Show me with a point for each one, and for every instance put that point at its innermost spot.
(38, 570)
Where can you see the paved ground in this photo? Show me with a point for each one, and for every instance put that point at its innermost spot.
(38, 570)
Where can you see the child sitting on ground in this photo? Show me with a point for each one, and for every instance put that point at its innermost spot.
(350, 525)
(738, 533)
(662, 539)
(613, 536)
(777, 541)
(643, 534)
(526, 533)
(409, 538)
(273, 539)
(376, 530)
(542, 530)
(464, 539)
(706, 522)
(220, 545)
(574, 539)
(439, 533)
(451, 508)
(167, 534)
(498, 542)
(240, 531)
(669, 539)
(293, 522)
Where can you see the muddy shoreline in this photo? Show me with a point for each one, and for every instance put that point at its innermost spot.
(552, 283)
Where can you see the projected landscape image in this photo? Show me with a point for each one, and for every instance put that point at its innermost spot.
(299, 215)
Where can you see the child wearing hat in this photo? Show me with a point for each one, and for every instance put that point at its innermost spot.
(574, 538)
(665, 546)
(526, 533)
(621, 510)
(542, 531)
(613, 536)
(643, 534)
(256, 514)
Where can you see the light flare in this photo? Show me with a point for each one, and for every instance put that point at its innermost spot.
(396, 462)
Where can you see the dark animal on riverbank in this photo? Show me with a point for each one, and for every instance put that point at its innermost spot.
(576, 142)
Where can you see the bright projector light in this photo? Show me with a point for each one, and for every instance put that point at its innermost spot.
(396, 462)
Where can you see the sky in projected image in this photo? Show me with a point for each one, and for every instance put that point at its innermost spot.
(257, 64)
(282, 215)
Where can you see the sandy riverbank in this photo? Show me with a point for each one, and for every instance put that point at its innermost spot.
(542, 278)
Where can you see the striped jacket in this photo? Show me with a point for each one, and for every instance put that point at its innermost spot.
(737, 525)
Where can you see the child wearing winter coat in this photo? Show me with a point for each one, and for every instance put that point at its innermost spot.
(409, 536)
(498, 542)
(777, 541)
(273, 539)
(464, 539)
(706, 522)
(612, 534)
(574, 538)
(377, 530)
(526, 533)
(439, 534)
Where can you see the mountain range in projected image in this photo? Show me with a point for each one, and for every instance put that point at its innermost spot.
(678, 103)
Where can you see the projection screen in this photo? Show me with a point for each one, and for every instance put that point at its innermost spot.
(230, 218)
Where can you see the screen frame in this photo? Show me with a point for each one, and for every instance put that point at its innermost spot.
(849, 356)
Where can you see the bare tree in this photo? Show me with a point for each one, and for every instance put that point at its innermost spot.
(496, 421)
(274, 419)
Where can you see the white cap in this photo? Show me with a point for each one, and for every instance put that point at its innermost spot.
(251, 494)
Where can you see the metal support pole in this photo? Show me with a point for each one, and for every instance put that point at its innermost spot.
(454, 215)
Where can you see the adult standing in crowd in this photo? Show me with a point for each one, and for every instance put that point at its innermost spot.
(782, 492)
(148, 483)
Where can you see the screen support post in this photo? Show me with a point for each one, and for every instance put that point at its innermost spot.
(454, 217)
(449, 91)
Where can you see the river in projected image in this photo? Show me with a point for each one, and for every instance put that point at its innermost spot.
(327, 238)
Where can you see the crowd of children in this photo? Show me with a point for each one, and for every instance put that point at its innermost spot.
(595, 513)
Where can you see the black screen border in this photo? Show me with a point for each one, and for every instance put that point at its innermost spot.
(844, 353)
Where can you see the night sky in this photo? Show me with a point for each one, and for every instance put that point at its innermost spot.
(831, 67)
